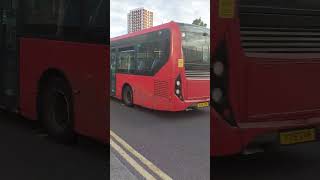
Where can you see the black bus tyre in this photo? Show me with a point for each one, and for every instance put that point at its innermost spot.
(127, 96)
(56, 110)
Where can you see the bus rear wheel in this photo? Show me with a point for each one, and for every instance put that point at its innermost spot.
(56, 110)
(127, 96)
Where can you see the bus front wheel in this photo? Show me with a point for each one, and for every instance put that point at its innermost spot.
(127, 96)
(56, 110)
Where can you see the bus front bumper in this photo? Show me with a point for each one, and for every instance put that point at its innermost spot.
(197, 104)
(253, 137)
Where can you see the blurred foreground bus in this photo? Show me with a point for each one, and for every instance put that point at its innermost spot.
(166, 67)
(53, 60)
(264, 76)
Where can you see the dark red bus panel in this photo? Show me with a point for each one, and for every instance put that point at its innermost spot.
(86, 68)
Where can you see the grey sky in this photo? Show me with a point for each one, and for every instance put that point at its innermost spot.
(164, 11)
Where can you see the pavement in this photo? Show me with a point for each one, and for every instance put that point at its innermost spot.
(176, 143)
(118, 171)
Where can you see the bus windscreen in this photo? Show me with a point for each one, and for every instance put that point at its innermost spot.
(196, 50)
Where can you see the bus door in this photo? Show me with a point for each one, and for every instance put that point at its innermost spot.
(8, 56)
(113, 70)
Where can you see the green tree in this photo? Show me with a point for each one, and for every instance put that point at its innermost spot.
(199, 22)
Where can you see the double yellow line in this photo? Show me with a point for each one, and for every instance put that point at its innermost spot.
(143, 172)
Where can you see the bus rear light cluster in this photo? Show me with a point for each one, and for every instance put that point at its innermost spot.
(218, 68)
(217, 95)
(178, 83)
(219, 84)
(178, 88)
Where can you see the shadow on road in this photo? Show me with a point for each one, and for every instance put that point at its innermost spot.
(26, 152)
(279, 165)
(165, 115)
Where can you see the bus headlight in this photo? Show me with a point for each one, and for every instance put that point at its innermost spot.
(218, 68)
(178, 83)
(177, 91)
(217, 95)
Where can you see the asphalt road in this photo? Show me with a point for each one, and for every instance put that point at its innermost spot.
(290, 163)
(27, 153)
(177, 143)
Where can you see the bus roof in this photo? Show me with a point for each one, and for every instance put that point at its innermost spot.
(195, 27)
(155, 28)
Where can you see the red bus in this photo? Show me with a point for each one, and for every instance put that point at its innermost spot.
(166, 67)
(265, 69)
(54, 56)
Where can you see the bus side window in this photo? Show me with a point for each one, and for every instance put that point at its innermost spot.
(153, 53)
(150, 52)
(144, 59)
(126, 62)
(113, 60)
(160, 49)
(71, 20)
(5, 4)
(140, 59)
(52, 18)
(95, 19)
(96, 13)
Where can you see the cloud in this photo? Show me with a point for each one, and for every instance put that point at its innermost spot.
(164, 11)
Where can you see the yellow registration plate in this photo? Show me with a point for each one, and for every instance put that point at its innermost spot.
(203, 104)
(297, 136)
